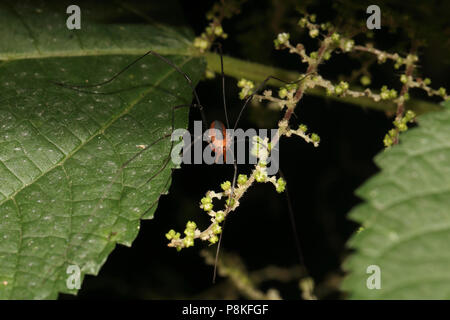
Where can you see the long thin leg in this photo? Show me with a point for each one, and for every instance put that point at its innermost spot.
(294, 228)
(229, 205)
(234, 164)
(219, 47)
(165, 60)
(262, 85)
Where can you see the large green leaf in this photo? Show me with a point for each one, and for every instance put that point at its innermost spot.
(64, 197)
(406, 218)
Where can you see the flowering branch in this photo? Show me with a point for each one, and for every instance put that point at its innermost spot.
(288, 97)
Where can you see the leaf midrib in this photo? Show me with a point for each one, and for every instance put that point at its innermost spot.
(92, 52)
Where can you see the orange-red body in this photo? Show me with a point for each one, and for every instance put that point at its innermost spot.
(219, 144)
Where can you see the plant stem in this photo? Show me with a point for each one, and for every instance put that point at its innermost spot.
(238, 69)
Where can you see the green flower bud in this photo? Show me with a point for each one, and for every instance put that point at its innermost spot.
(393, 94)
(387, 141)
(403, 78)
(427, 81)
(315, 138)
(207, 207)
(191, 225)
(348, 46)
(313, 33)
(189, 233)
(213, 239)
(188, 242)
(281, 185)
(230, 202)
(385, 93)
(201, 43)
(335, 37)
(216, 229)
(302, 22)
(282, 93)
(292, 86)
(172, 235)
(242, 83)
(365, 80)
(218, 30)
(226, 185)
(242, 179)
(283, 38)
(206, 200)
(220, 216)
(260, 176)
(392, 133)
(276, 44)
(343, 85)
(410, 115)
(303, 128)
(401, 125)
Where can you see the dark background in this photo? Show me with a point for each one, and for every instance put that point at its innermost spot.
(321, 181)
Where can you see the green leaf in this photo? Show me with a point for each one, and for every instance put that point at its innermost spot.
(406, 218)
(66, 196)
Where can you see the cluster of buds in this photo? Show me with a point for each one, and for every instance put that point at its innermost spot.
(261, 150)
(205, 40)
(282, 41)
(347, 45)
(286, 94)
(309, 22)
(339, 89)
(214, 29)
(301, 131)
(288, 91)
(190, 233)
(401, 124)
(387, 94)
(409, 60)
(425, 85)
(247, 87)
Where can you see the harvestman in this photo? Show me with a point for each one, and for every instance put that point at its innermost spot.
(219, 146)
